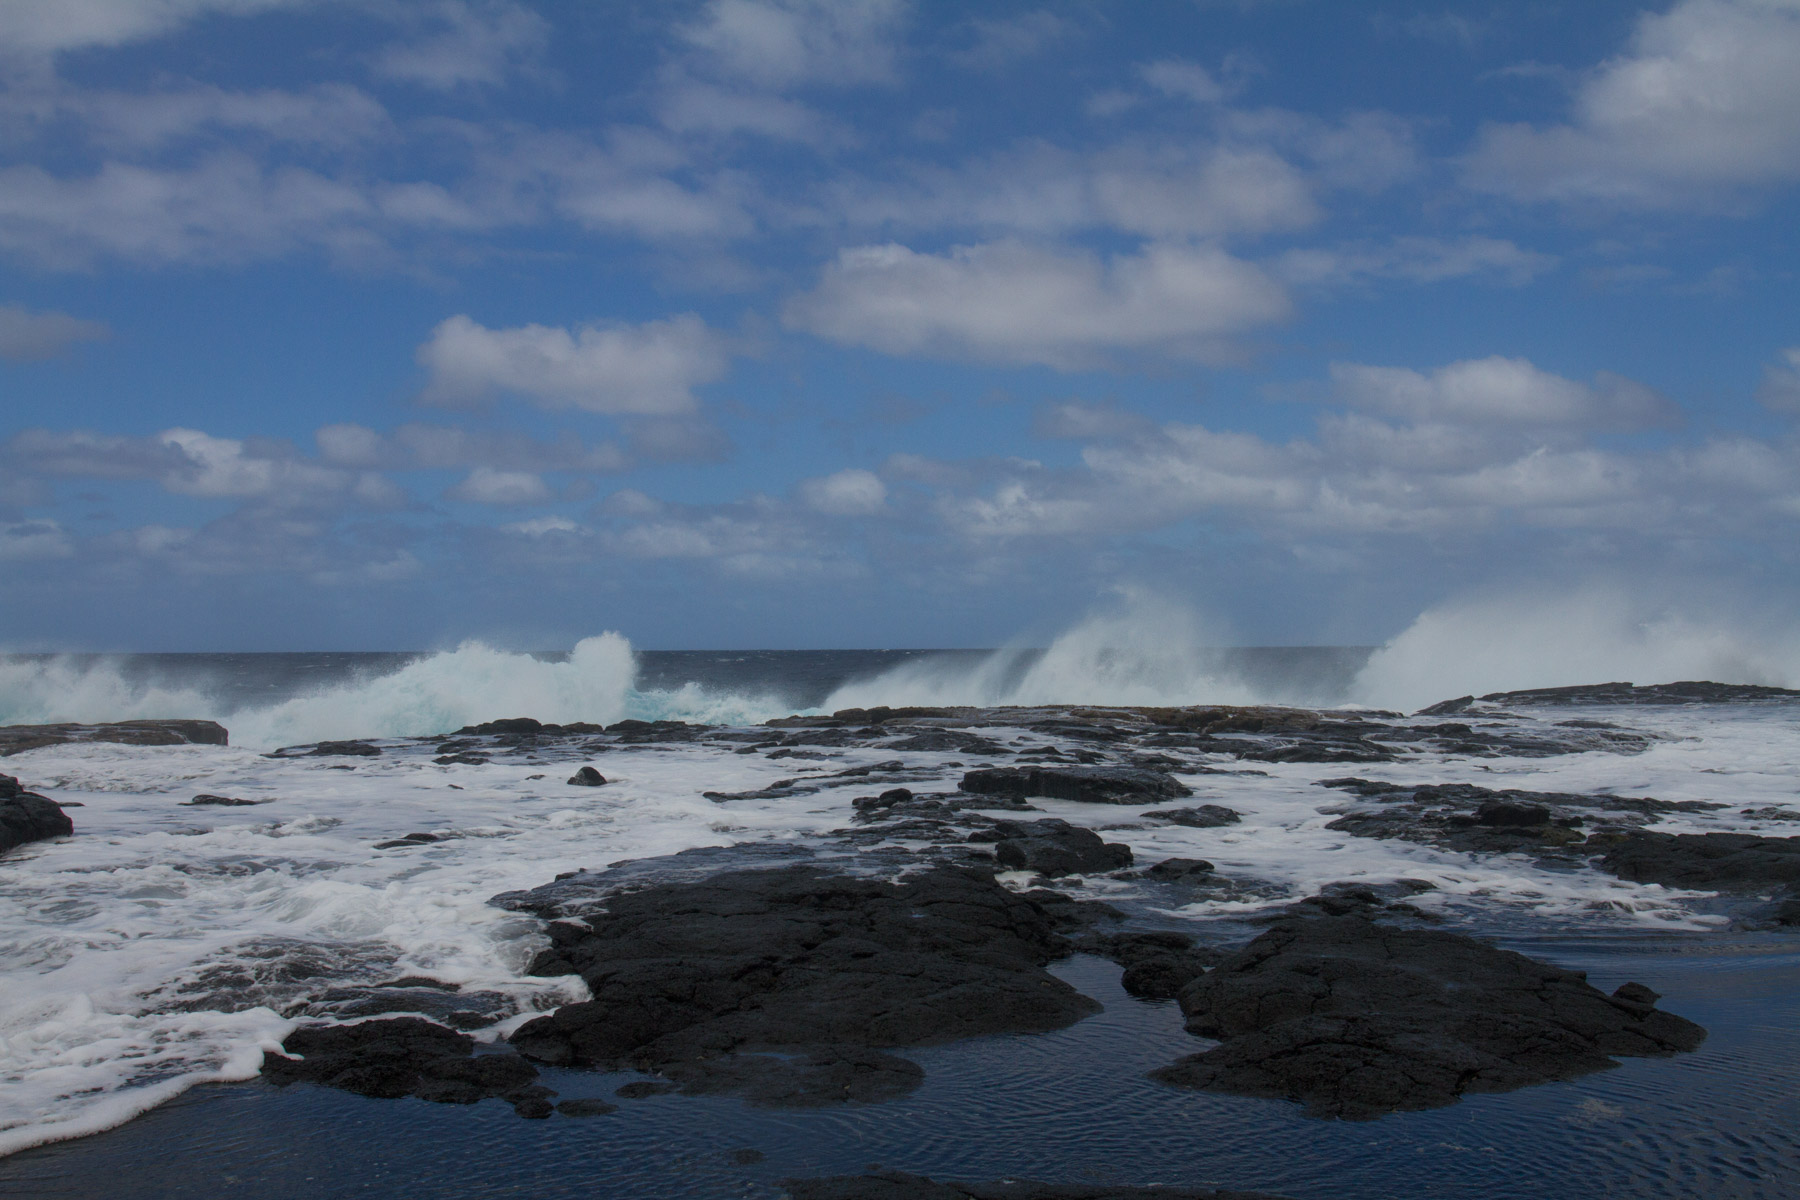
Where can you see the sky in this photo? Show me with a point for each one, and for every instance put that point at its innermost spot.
(381, 324)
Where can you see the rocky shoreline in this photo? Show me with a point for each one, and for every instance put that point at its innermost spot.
(797, 976)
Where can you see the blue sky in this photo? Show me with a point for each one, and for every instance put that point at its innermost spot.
(787, 323)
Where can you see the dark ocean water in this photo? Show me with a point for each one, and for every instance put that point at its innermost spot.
(1072, 1106)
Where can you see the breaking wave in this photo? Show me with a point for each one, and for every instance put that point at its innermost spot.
(430, 695)
(1595, 634)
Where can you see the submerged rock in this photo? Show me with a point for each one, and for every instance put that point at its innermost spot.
(207, 799)
(799, 959)
(28, 817)
(405, 1056)
(1158, 963)
(16, 739)
(1355, 1019)
(1089, 784)
(898, 1185)
(587, 777)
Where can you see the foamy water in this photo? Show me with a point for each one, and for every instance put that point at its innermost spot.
(154, 950)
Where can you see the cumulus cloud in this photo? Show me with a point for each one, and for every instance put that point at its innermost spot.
(485, 485)
(1780, 388)
(1498, 390)
(1152, 190)
(648, 370)
(23, 540)
(226, 208)
(49, 28)
(1703, 104)
(848, 493)
(476, 43)
(27, 336)
(778, 44)
(1009, 302)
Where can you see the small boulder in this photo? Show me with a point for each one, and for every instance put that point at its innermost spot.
(587, 777)
(28, 817)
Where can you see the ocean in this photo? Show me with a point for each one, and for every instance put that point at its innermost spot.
(148, 962)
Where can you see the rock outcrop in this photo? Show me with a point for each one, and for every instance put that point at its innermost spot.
(1354, 1018)
(28, 817)
(16, 739)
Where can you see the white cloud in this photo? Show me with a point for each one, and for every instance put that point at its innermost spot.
(995, 42)
(226, 467)
(1780, 388)
(26, 336)
(1152, 190)
(539, 527)
(23, 540)
(779, 44)
(649, 369)
(437, 447)
(51, 26)
(1416, 259)
(485, 485)
(328, 114)
(1703, 104)
(1505, 391)
(226, 208)
(1013, 303)
(848, 493)
(1185, 80)
(477, 44)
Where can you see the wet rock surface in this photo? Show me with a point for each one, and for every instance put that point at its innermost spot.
(1705, 860)
(406, 1056)
(1158, 963)
(1685, 692)
(26, 816)
(1052, 848)
(818, 966)
(1473, 819)
(1087, 784)
(16, 739)
(1200, 816)
(898, 1185)
(1355, 1018)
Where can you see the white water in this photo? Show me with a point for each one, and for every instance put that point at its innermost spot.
(431, 695)
(1595, 634)
(106, 937)
(1149, 651)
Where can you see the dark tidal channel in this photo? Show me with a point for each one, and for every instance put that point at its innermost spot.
(1072, 1106)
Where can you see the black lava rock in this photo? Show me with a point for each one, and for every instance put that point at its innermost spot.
(1704, 860)
(206, 799)
(1354, 1019)
(1090, 784)
(405, 1056)
(799, 959)
(1053, 848)
(587, 777)
(1201, 816)
(28, 817)
(1158, 964)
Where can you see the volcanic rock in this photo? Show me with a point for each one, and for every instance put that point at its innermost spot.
(1092, 785)
(1354, 1019)
(1704, 860)
(1052, 848)
(1158, 964)
(797, 959)
(28, 817)
(206, 799)
(405, 1056)
(1201, 816)
(16, 739)
(587, 777)
(1684, 692)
